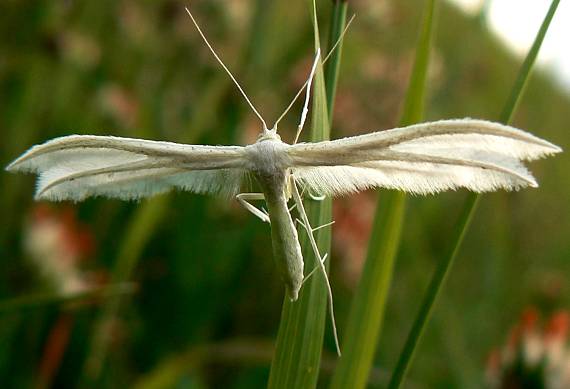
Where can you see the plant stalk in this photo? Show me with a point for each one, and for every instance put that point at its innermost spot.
(467, 213)
(369, 303)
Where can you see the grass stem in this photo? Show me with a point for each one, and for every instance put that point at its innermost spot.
(467, 213)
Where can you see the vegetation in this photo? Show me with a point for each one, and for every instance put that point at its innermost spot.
(181, 290)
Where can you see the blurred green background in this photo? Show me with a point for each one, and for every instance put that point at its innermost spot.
(207, 302)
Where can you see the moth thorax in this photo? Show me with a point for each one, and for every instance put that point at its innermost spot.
(267, 157)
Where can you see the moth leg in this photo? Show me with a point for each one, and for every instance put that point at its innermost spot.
(307, 96)
(324, 256)
(316, 228)
(311, 195)
(323, 226)
(316, 198)
(320, 260)
(314, 269)
(292, 207)
(243, 199)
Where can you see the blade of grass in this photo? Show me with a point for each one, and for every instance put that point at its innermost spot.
(298, 349)
(338, 23)
(171, 371)
(467, 212)
(139, 231)
(41, 300)
(526, 68)
(437, 281)
(369, 303)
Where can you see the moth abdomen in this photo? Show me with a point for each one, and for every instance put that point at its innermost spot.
(284, 237)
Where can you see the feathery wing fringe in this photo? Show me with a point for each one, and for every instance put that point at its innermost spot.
(76, 167)
(425, 158)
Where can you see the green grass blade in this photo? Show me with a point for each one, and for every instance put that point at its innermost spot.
(434, 287)
(413, 111)
(526, 68)
(299, 341)
(174, 370)
(40, 300)
(140, 229)
(333, 66)
(367, 310)
(467, 212)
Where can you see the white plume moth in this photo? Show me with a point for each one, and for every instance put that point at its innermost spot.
(424, 158)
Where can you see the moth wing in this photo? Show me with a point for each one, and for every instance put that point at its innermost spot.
(79, 166)
(425, 158)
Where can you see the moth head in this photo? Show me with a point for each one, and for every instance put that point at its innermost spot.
(269, 135)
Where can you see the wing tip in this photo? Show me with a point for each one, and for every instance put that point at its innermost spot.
(42, 191)
(553, 149)
(532, 183)
(16, 165)
(11, 167)
(23, 163)
(550, 148)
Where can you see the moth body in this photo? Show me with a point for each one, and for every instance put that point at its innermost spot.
(268, 155)
(285, 241)
(268, 161)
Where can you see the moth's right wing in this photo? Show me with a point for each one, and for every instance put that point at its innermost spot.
(424, 158)
(79, 166)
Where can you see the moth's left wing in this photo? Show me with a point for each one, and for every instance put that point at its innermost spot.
(79, 166)
(425, 158)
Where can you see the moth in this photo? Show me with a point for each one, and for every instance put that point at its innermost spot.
(425, 158)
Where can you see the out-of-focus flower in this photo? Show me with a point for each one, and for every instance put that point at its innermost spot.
(56, 243)
(80, 49)
(136, 25)
(120, 104)
(239, 13)
(353, 220)
(535, 356)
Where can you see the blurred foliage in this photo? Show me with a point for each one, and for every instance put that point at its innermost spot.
(208, 301)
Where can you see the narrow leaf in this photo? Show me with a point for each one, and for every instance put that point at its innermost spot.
(369, 304)
(300, 338)
(466, 215)
(40, 300)
(139, 231)
(526, 68)
(333, 66)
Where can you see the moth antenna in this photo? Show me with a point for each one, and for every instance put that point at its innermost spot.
(340, 38)
(226, 69)
(305, 110)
